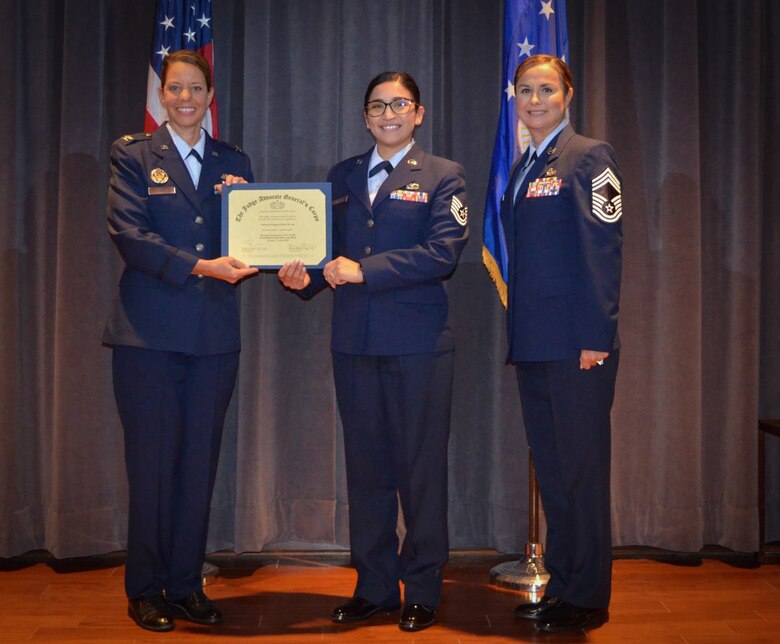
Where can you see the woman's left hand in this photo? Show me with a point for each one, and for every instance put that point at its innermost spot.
(228, 180)
(590, 358)
(343, 271)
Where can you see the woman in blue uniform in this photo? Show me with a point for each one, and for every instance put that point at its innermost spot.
(175, 336)
(562, 219)
(400, 224)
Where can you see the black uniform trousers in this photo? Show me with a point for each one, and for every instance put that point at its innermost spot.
(172, 407)
(566, 411)
(395, 411)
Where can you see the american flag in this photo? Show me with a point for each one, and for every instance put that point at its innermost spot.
(530, 27)
(179, 25)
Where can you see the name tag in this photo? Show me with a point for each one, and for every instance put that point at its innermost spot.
(410, 195)
(161, 190)
(545, 187)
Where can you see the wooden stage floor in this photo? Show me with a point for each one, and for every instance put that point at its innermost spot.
(288, 599)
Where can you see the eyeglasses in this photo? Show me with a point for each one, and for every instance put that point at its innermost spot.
(398, 105)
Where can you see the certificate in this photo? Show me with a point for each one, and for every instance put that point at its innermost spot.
(268, 224)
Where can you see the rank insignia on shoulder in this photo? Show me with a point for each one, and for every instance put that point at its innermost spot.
(132, 138)
(551, 172)
(412, 186)
(459, 211)
(158, 175)
(546, 187)
(409, 195)
(606, 200)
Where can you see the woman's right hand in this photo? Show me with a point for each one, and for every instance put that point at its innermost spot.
(228, 269)
(294, 276)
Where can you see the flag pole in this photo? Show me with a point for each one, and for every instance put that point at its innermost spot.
(527, 574)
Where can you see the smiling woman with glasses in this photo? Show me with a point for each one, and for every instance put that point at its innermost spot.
(400, 221)
(398, 105)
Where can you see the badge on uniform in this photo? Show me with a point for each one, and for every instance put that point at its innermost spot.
(409, 195)
(161, 190)
(545, 187)
(459, 211)
(158, 175)
(606, 200)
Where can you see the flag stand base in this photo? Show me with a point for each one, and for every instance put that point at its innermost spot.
(208, 573)
(528, 574)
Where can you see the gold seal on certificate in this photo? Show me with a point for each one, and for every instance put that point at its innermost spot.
(268, 224)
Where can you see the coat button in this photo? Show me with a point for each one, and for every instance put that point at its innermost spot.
(367, 250)
(370, 223)
(198, 219)
(199, 247)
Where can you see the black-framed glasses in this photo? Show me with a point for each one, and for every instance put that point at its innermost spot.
(398, 105)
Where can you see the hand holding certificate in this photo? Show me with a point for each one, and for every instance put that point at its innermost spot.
(266, 225)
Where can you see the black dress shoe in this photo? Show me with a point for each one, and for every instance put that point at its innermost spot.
(536, 610)
(357, 609)
(197, 608)
(416, 617)
(151, 612)
(565, 618)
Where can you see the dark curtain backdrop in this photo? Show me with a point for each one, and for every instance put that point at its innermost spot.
(688, 93)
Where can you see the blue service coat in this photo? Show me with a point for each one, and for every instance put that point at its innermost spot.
(162, 225)
(407, 242)
(564, 240)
